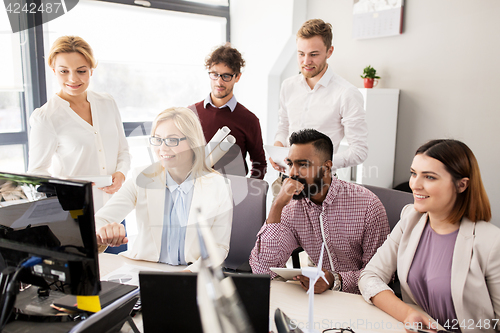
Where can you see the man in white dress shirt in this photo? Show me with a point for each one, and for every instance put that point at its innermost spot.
(322, 100)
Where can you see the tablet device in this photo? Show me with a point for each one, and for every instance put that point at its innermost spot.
(287, 273)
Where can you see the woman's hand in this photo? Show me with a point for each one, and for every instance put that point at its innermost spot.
(419, 320)
(112, 234)
(118, 178)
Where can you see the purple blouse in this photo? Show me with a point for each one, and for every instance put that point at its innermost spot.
(429, 277)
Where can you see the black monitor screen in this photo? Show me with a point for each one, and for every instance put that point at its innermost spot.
(52, 219)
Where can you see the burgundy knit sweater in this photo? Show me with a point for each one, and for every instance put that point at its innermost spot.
(244, 126)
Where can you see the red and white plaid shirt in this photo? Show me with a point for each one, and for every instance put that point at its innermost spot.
(355, 225)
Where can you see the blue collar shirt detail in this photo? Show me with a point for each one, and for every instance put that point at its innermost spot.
(231, 104)
(178, 199)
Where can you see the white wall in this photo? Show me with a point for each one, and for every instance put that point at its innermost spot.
(445, 64)
(260, 35)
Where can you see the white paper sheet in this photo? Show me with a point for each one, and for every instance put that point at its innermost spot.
(278, 154)
(100, 181)
(41, 212)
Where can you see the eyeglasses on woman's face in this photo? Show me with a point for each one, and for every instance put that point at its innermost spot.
(169, 142)
(226, 77)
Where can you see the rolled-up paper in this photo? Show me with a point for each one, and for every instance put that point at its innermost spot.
(216, 139)
(220, 150)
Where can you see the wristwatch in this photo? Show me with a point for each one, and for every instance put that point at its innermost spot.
(337, 281)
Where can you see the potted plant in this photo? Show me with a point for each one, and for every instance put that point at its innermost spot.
(369, 76)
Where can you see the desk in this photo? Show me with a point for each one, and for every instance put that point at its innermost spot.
(110, 262)
(332, 308)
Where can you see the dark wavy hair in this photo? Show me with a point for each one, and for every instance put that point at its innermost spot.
(460, 162)
(227, 55)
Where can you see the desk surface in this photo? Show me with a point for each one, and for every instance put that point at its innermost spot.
(331, 309)
(110, 262)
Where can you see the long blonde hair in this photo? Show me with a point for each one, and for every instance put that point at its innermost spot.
(189, 125)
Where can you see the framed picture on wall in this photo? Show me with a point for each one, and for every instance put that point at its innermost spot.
(377, 18)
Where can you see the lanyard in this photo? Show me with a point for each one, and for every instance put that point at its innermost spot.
(324, 240)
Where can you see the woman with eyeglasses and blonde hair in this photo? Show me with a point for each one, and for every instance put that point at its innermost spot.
(445, 252)
(166, 196)
(78, 132)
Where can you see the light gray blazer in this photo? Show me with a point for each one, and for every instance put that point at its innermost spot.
(475, 269)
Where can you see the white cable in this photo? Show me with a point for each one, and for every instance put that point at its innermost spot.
(324, 241)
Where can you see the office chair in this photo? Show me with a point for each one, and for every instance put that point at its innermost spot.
(232, 163)
(393, 201)
(249, 214)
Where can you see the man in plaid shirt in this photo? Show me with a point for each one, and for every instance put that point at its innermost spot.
(350, 219)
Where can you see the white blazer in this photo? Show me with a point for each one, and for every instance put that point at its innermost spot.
(475, 268)
(145, 191)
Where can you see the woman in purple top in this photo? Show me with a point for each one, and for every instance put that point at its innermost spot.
(446, 254)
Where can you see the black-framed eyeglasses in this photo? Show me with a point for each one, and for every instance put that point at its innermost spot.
(169, 142)
(338, 330)
(226, 77)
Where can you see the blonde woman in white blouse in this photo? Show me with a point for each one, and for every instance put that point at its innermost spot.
(78, 132)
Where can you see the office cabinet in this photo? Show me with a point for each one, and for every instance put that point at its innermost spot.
(381, 107)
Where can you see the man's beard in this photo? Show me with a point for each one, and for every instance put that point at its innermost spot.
(310, 190)
(224, 94)
(318, 70)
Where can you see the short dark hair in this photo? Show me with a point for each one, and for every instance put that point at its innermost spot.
(227, 55)
(321, 142)
(460, 163)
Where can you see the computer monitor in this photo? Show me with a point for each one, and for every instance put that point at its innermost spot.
(52, 219)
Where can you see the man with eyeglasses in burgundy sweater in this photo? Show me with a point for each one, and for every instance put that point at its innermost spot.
(221, 108)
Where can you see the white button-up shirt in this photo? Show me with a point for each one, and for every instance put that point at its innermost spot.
(62, 144)
(334, 107)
